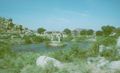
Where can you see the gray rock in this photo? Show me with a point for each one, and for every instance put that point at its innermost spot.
(44, 60)
(114, 65)
(118, 42)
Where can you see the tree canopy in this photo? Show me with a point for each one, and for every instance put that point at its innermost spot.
(99, 33)
(107, 30)
(67, 31)
(41, 30)
(87, 32)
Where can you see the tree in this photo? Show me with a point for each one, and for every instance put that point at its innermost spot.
(10, 24)
(107, 30)
(99, 33)
(83, 32)
(67, 31)
(90, 32)
(41, 30)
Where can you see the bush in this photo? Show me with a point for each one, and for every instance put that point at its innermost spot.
(5, 49)
(70, 55)
(36, 69)
(107, 41)
(68, 38)
(27, 40)
(110, 54)
(37, 39)
(93, 50)
(80, 39)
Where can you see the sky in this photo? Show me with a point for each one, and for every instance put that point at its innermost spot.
(56, 15)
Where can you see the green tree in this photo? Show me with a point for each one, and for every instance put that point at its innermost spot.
(99, 33)
(41, 30)
(90, 32)
(10, 24)
(107, 30)
(67, 31)
(83, 32)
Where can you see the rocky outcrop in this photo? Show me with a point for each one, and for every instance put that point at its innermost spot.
(45, 60)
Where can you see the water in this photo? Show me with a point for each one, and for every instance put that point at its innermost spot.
(42, 47)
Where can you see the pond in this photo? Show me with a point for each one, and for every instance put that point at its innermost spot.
(42, 47)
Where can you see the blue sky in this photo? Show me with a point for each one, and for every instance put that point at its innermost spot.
(60, 14)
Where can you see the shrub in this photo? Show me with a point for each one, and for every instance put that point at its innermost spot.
(27, 40)
(37, 39)
(93, 50)
(5, 49)
(36, 69)
(110, 54)
(69, 55)
(68, 38)
(80, 39)
(107, 41)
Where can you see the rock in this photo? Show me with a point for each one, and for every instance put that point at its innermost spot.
(102, 62)
(101, 48)
(118, 42)
(114, 65)
(44, 60)
(98, 61)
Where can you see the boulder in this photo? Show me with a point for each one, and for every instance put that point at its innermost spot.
(102, 62)
(45, 60)
(114, 65)
(97, 61)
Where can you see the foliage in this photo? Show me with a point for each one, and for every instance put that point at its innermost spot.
(67, 39)
(107, 41)
(110, 54)
(86, 32)
(37, 39)
(67, 31)
(20, 28)
(27, 40)
(117, 31)
(41, 30)
(36, 69)
(4, 48)
(80, 39)
(99, 33)
(90, 32)
(93, 50)
(83, 32)
(107, 30)
(10, 25)
(69, 55)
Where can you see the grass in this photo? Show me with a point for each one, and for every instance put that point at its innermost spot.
(74, 60)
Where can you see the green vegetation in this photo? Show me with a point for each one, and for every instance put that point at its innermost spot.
(41, 30)
(107, 30)
(73, 57)
(99, 33)
(87, 32)
(107, 41)
(67, 31)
